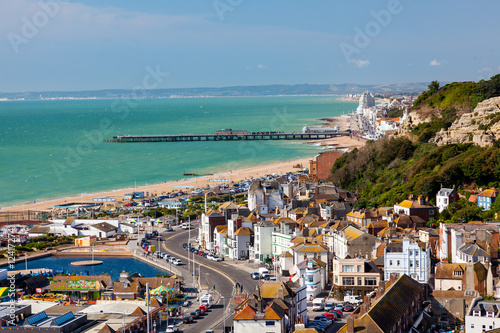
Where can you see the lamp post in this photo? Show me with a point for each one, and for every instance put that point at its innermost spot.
(147, 303)
(168, 311)
(223, 314)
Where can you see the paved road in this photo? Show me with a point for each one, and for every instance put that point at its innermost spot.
(212, 273)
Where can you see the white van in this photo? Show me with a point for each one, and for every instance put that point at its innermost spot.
(263, 270)
(185, 225)
(318, 304)
(355, 300)
(206, 300)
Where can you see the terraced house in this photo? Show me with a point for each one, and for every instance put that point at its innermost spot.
(355, 277)
(398, 302)
(272, 308)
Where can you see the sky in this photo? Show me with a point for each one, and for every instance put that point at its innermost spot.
(72, 45)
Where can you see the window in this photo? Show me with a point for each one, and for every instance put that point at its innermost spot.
(417, 263)
(270, 323)
(370, 281)
(431, 211)
(411, 263)
(311, 278)
(458, 273)
(347, 268)
(398, 262)
(411, 252)
(359, 268)
(348, 281)
(336, 279)
(390, 262)
(360, 282)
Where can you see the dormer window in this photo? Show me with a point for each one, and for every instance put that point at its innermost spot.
(458, 273)
(477, 313)
(490, 314)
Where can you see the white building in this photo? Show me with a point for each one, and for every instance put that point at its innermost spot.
(239, 243)
(311, 274)
(309, 251)
(84, 227)
(265, 192)
(365, 101)
(263, 239)
(350, 242)
(220, 239)
(459, 240)
(446, 196)
(407, 258)
(482, 316)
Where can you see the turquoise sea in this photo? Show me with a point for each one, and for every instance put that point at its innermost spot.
(52, 149)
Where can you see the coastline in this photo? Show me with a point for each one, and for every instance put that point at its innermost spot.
(340, 143)
(167, 187)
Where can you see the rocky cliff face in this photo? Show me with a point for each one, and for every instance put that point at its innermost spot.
(481, 126)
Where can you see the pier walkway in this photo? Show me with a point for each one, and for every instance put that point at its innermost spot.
(227, 137)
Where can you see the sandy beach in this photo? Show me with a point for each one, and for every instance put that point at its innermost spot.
(344, 143)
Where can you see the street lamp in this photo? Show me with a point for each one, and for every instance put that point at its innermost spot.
(224, 313)
(168, 311)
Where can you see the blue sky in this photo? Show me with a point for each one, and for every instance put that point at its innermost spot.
(86, 45)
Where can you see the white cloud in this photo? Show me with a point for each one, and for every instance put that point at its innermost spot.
(360, 63)
(261, 66)
(434, 62)
(485, 70)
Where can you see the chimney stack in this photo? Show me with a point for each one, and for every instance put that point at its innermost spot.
(281, 294)
(350, 324)
(392, 279)
(368, 301)
(259, 305)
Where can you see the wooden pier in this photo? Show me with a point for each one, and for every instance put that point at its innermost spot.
(226, 137)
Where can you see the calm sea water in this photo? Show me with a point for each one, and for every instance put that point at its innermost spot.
(51, 149)
(111, 265)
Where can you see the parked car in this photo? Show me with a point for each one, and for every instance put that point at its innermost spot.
(200, 311)
(216, 258)
(172, 329)
(185, 245)
(211, 257)
(337, 311)
(203, 307)
(330, 315)
(255, 275)
(339, 307)
(187, 319)
(348, 308)
(324, 319)
(177, 262)
(329, 306)
(195, 315)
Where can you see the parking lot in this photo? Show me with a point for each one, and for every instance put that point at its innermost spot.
(337, 323)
